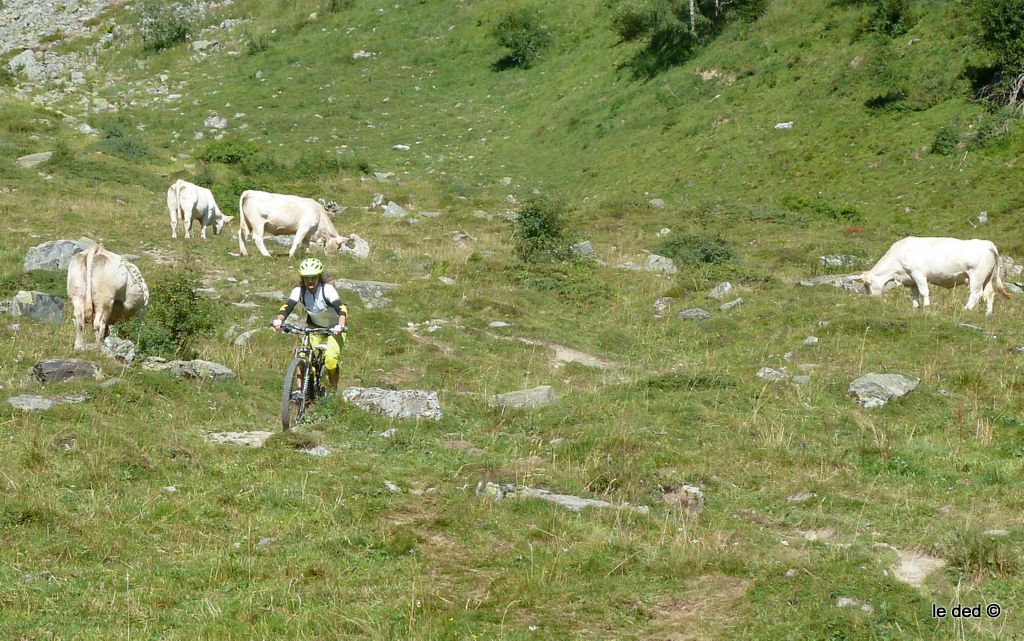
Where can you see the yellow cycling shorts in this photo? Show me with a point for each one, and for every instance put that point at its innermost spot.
(333, 353)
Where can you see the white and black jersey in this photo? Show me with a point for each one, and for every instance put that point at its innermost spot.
(323, 305)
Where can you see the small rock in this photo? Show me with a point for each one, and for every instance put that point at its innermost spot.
(33, 160)
(802, 379)
(660, 265)
(770, 374)
(584, 250)
(695, 313)
(875, 390)
(721, 290)
(318, 451)
(30, 403)
(394, 210)
(847, 602)
(362, 55)
(170, 489)
(392, 487)
(657, 203)
(497, 323)
(525, 399)
(733, 303)
(800, 497)
(248, 439)
(390, 433)
(401, 404)
(791, 572)
(662, 306)
(664, 231)
(243, 339)
(784, 125)
(266, 541)
(55, 371)
(216, 122)
(400, 147)
(996, 533)
(446, 280)
(120, 349)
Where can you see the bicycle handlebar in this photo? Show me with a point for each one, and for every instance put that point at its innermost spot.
(295, 329)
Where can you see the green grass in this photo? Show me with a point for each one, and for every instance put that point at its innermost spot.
(89, 530)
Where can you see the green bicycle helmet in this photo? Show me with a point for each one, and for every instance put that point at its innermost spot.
(311, 267)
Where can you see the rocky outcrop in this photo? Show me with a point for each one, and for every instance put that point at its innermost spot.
(403, 404)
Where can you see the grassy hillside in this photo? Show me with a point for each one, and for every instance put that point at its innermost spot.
(807, 494)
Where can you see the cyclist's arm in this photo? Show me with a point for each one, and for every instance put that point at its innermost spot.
(289, 304)
(332, 298)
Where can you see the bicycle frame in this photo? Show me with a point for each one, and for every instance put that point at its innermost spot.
(307, 363)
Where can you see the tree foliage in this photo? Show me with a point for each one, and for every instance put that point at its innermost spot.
(673, 29)
(521, 32)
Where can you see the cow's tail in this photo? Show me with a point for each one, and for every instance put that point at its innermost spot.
(243, 224)
(90, 254)
(997, 279)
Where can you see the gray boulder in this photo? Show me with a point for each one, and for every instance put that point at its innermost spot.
(694, 313)
(248, 439)
(195, 369)
(35, 305)
(875, 390)
(403, 404)
(370, 292)
(394, 210)
(573, 503)
(662, 306)
(721, 290)
(841, 281)
(526, 399)
(33, 160)
(770, 374)
(243, 339)
(120, 349)
(30, 403)
(733, 303)
(660, 264)
(55, 254)
(355, 246)
(584, 250)
(55, 371)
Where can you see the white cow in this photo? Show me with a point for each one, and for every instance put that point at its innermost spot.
(916, 262)
(262, 212)
(104, 288)
(190, 202)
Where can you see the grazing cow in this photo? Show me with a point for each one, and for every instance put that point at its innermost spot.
(190, 202)
(104, 288)
(261, 212)
(915, 262)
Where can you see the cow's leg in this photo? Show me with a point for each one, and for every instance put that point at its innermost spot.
(257, 237)
(101, 319)
(922, 287)
(174, 224)
(79, 315)
(202, 234)
(188, 223)
(975, 288)
(916, 295)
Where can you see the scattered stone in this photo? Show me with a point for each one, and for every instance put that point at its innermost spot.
(30, 403)
(802, 379)
(86, 130)
(216, 122)
(38, 306)
(996, 533)
(55, 371)
(266, 541)
(194, 369)
(392, 487)
(770, 374)
(110, 382)
(55, 254)
(630, 265)
(664, 231)
(400, 147)
(402, 404)
(33, 160)
(243, 339)
(660, 265)
(203, 45)
(574, 503)
(383, 176)
(733, 303)
(497, 323)
(584, 250)
(721, 291)
(657, 203)
(800, 497)
(248, 439)
(875, 390)
(355, 246)
(791, 572)
(446, 280)
(662, 306)
(389, 433)
(525, 399)
(394, 210)
(370, 292)
(461, 237)
(363, 55)
(170, 489)
(847, 602)
(841, 281)
(695, 313)
(811, 341)
(319, 451)
(784, 125)
(120, 349)
(687, 498)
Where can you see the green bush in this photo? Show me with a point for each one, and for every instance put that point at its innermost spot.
(821, 208)
(334, 6)
(991, 128)
(691, 249)
(255, 43)
(1001, 31)
(177, 315)
(946, 141)
(540, 232)
(521, 32)
(228, 151)
(891, 17)
(163, 25)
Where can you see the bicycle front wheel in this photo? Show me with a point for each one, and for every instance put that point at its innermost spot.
(293, 401)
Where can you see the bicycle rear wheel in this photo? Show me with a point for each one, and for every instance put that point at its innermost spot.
(293, 400)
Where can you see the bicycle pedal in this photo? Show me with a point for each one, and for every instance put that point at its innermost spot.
(296, 394)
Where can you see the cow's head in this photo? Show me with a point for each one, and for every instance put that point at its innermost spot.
(333, 244)
(873, 284)
(219, 222)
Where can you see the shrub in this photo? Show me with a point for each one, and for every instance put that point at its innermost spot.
(977, 555)
(690, 249)
(540, 231)
(521, 32)
(991, 128)
(334, 6)
(891, 17)
(823, 208)
(255, 43)
(229, 151)
(176, 315)
(163, 25)
(1001, 31)
(946, 141)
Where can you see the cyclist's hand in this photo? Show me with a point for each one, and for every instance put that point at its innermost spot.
(336, 330)
(276, 324)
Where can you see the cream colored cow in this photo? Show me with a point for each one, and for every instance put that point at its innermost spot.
(262, 212)
(104, 289)
(189, 202)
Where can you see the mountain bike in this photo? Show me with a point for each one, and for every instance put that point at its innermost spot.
(305, 376)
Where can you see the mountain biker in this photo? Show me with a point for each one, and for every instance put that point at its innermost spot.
(324, 309)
